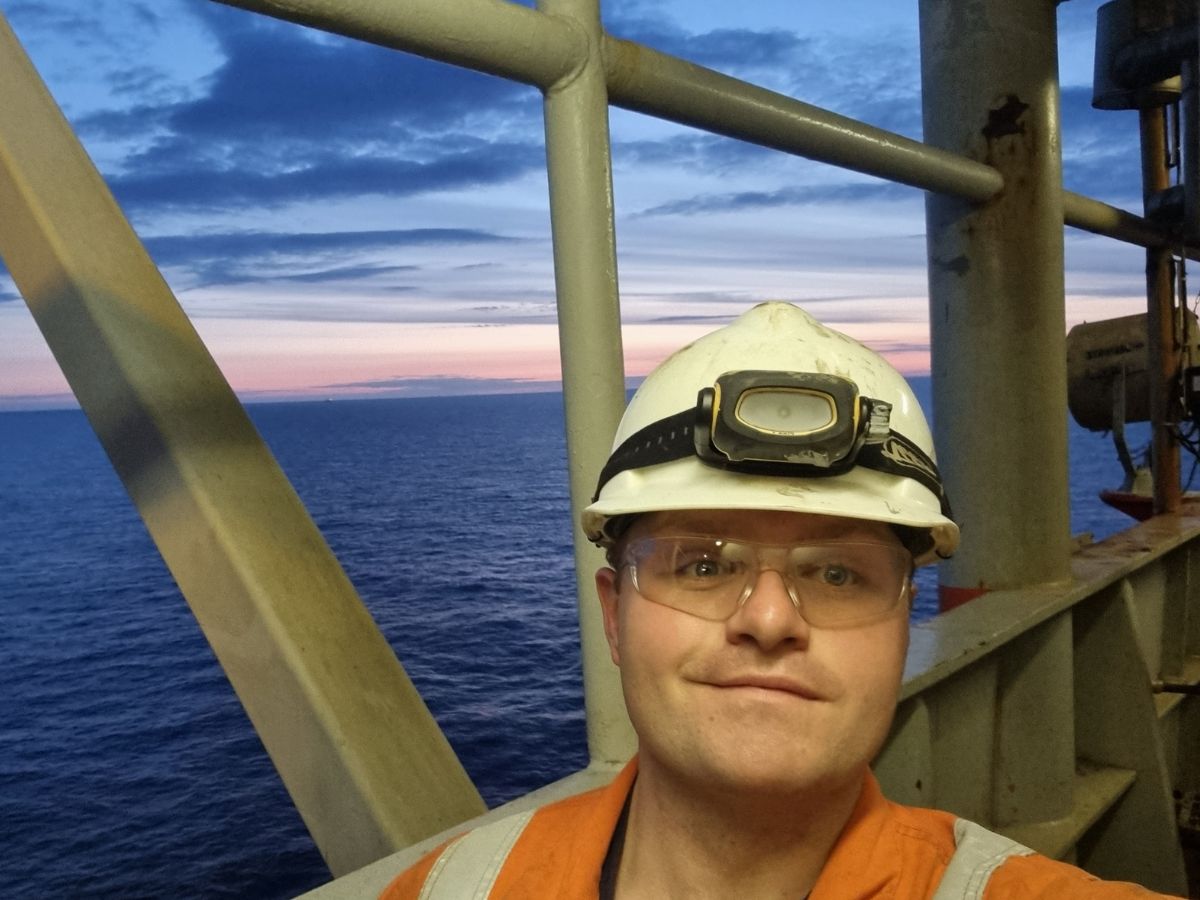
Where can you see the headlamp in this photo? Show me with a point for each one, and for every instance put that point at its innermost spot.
(795, 418)
(791, 424)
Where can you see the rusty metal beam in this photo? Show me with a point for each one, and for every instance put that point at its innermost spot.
(1160, 322)
(996, 295)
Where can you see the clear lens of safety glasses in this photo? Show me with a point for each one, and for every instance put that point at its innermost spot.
(835, 584)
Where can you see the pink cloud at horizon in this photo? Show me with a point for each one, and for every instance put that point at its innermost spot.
(287, 358)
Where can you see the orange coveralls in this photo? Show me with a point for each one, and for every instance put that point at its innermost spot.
(886, 850)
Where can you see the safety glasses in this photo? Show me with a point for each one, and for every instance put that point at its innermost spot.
(836, 584)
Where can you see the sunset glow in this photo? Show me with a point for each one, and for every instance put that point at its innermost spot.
(344, 241)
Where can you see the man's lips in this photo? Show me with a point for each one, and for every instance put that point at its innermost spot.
(780, 683)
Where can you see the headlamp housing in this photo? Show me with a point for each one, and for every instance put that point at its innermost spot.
(798, 418)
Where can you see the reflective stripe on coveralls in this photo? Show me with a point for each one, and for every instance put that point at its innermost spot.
(978, 853)
(468, 867)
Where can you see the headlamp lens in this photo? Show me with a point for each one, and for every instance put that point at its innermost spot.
(781, 411)
(787, 418)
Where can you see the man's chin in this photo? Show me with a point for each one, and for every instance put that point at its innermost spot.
(774, 777)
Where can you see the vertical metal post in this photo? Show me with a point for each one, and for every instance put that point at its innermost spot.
(1189, 104)
(1160, 320)
(579, 166)
(997, 316)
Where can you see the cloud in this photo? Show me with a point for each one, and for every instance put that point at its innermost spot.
(730, 50)
(289, 115)
(218, 274)
(813, 67)
(470, 266)
(1101, 156)
(855, 192)
(446, 385)
(280, 81)
(174, 249)
(885, 346)
(308, 257)
(717, 307)
(319, 176)
(32, 402)
(708, 153)
(690, 319)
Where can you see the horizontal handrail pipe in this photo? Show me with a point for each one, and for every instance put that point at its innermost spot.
(648, 81)
(1088, 214)
(491, 36)
(657, 84)
(502, 38)
(543, 50)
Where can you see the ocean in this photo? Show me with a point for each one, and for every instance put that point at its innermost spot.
(127, 767)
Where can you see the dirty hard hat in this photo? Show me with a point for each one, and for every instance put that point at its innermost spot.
(777, 412)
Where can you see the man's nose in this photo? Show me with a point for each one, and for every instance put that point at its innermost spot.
(769, 616)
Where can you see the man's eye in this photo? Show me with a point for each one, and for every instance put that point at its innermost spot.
(837, 576)
(834, 575)
(701, 568)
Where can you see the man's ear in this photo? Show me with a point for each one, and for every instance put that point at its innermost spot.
(608, 588)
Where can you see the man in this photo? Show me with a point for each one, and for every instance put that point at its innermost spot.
(762, 540)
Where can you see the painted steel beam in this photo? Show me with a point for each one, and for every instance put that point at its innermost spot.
(1110, 221)
(579, 167)
(1163, 346)
(364, 761)
(492, 36)
(647, 81)
(996, 297)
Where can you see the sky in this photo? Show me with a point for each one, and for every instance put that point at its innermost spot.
(340, 219)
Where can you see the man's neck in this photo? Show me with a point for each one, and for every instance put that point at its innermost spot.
(684, 840)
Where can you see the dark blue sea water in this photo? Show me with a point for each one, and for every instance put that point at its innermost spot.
(127, 768)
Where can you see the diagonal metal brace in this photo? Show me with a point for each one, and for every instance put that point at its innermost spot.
(365, 763)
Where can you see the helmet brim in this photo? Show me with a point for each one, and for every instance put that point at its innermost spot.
(690, 484)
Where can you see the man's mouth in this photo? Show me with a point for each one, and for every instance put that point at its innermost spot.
(781, 683)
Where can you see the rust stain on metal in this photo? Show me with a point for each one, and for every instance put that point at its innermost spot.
(960, 265)
(1006, 119)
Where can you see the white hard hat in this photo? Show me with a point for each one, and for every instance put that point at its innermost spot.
(791, 416)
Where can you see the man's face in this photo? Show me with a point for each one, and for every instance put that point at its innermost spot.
(762, 701)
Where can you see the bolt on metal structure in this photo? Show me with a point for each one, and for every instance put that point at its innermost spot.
(1008, 702)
